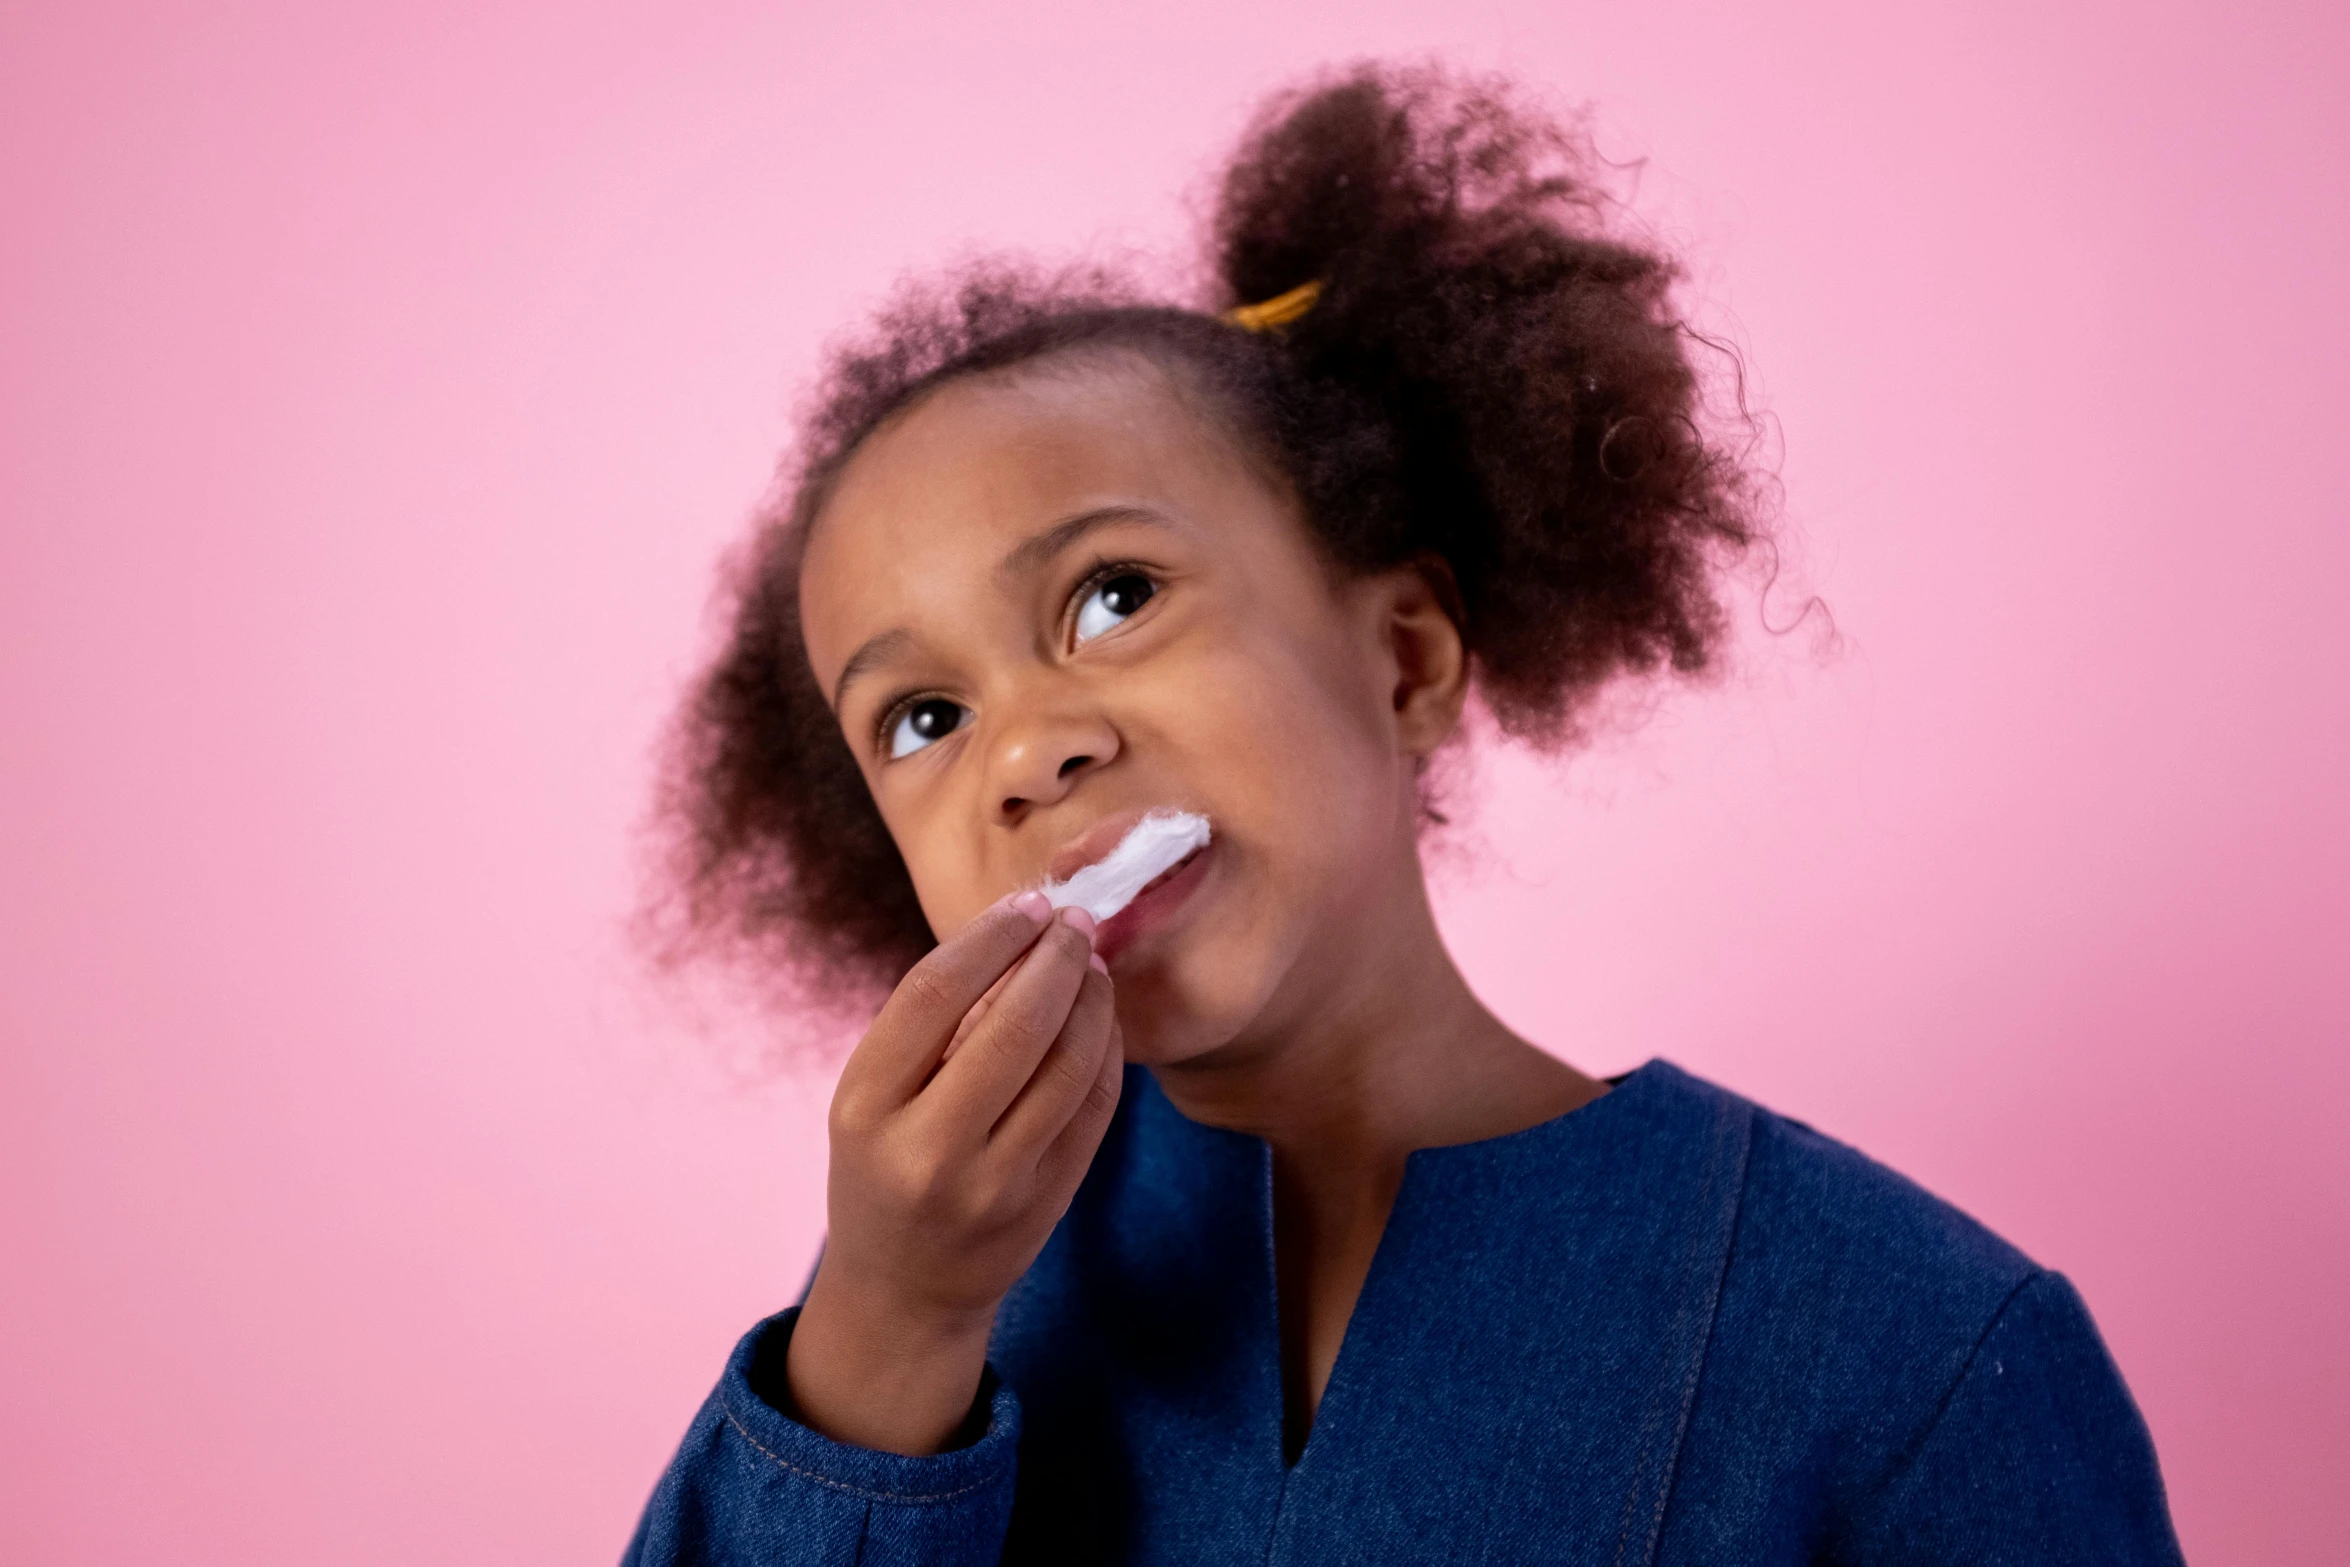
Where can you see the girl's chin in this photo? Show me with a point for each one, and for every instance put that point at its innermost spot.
(1183, 1011)
(1159, 1045)
(1191, 968)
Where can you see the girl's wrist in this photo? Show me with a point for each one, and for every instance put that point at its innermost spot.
(892, 1375)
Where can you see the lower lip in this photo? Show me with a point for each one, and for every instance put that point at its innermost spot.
(1152, 907)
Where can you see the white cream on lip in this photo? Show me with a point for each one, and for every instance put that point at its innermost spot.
(1149, 850)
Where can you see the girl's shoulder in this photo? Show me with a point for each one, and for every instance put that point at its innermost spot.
(1825, 1216)
(1870, 1332)
(1839, 1293)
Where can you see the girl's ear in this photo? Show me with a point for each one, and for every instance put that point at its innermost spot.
(1420, 606)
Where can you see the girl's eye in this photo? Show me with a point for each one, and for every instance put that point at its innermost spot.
(933, 718)
(1112, 601)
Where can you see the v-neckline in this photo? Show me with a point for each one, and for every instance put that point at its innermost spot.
(1525, 1140)
(1533, 1323)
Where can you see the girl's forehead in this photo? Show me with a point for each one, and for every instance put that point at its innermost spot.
(990, 446)
(989, 458)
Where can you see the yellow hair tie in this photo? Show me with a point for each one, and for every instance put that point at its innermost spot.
(1280, 310)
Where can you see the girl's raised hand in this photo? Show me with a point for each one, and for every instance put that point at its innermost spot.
(961, 1128)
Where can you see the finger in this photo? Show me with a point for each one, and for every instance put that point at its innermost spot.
(903, 1046)
(971, 1091)
(979, 1010)
(1063, 1078)
(1066, 1159)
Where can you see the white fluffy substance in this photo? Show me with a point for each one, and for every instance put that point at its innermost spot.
(1148, 851)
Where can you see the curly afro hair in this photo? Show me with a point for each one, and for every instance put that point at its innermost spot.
(1489, 375)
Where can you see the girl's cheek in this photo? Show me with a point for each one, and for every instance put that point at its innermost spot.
(948, 887)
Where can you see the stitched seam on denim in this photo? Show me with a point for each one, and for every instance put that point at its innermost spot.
(1925, 1436)
(1654, 1410)
(1280, 1504)
(854, 1490)
(1281, 1434)
(1739, 1148)
(1730, 1118)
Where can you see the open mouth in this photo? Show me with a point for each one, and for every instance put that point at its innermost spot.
(1150, 847)
(1167, 875)
(1158, 898)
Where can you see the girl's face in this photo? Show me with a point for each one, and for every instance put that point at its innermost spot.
(1049, 601)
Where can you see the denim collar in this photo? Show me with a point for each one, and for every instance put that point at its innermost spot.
(1584, 1254)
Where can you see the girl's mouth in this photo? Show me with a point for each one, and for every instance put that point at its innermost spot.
(1156, 904)
(1146, 848)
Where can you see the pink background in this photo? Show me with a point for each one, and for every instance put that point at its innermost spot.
(381, 382)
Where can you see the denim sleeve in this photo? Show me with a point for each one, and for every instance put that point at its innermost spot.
(752, 1485)
(2038, 1455)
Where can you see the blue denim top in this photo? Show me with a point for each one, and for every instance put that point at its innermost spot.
(1667, 1327)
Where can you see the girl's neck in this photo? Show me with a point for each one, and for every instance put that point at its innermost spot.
(1381, 1051)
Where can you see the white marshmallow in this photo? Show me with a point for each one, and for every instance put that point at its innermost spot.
(1150, 848)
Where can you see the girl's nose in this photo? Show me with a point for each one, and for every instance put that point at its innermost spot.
(1038, 759)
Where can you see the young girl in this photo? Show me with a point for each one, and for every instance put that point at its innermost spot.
(1231, 1227)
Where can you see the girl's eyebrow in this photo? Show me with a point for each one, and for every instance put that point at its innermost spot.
(1038, 548)
(876, 650)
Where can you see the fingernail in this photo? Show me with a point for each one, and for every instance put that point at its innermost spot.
(1032, 903)
(1078, 920)
(1098, 966)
